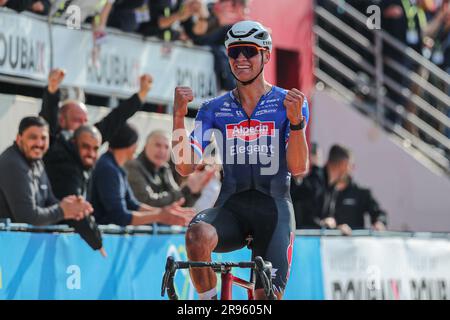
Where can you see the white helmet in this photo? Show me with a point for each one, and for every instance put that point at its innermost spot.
(248, 32)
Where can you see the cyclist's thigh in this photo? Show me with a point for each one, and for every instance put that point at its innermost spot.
(231, 235)
(276, 245)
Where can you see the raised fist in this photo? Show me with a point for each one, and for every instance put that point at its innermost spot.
(183, 95)
(293, 104)
(55, 77)
(145, 84)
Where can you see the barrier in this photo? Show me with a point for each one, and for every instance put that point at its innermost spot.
(61, 266)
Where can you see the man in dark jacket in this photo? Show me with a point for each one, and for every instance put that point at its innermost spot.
(328, 198)
(25, 193)
(62, 162)
(348, 203)
(67, 164)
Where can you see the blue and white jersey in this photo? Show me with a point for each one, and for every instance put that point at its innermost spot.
(252, 149)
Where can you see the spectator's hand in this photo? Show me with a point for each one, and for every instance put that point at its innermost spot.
(199, 8)
(99, 36)
(293, 104)
(228, 13)
(55, 77)
(345, 229)
(393, 12)
(200, 178)
(103, 252)
(145, 84)
(379, 226)
(3, 3)
(185, 11)
(176, 215)
(75, 207)
(37, 7)
(329, 223)
(183, 95)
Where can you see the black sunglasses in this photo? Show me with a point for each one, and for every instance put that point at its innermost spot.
(248, 50)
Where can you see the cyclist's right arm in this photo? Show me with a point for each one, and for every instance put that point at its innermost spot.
(185, 164)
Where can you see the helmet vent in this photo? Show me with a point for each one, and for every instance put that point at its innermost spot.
(262, 35)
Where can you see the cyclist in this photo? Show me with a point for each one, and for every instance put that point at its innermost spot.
(252, 125)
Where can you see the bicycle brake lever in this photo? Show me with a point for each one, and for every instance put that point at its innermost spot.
(167, 283)
(264, 270)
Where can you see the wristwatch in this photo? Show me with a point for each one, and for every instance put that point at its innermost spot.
(299, 126)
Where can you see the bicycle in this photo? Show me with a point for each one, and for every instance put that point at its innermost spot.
(263, 270)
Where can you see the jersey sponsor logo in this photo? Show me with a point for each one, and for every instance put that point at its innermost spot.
(250, 130)
(265, 111)
(223, 114)
(225, 109)
(253, 148)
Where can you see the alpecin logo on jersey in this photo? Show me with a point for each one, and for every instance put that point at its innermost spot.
(250, 130)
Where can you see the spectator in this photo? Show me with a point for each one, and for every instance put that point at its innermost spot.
(65, 168)
(128, 15)
(224, 13)
(89, 9)
(36, 6)
(176, 20)
(437, 41)
(404, 20)
(71, 157)
(111, 196)
(327, 197)
(343, 203)
(151, 178)
(305, 192)
(25, 193)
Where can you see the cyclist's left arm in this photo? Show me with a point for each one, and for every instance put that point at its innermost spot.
(297, 149)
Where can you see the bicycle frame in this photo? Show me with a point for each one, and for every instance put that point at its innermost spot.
(228, 279)
(262, 269)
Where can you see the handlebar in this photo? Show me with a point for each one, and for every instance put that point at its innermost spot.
(263, 270)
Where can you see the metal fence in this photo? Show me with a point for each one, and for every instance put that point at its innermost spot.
(363, 48)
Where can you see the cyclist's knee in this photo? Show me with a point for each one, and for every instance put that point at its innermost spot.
(201, 238)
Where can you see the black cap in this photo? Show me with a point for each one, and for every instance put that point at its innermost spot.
(125, 137)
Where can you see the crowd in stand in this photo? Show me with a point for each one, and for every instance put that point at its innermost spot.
(200, 22)
(422, 25)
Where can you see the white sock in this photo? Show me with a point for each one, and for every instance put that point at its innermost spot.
(208, 295)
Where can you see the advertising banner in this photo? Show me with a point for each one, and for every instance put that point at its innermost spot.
(62, 266)
(24, 46)
(367, 268)
(114, 67)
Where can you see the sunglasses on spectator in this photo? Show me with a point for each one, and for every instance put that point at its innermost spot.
(248, 50)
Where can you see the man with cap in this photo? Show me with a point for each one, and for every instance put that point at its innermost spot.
(111, 196)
